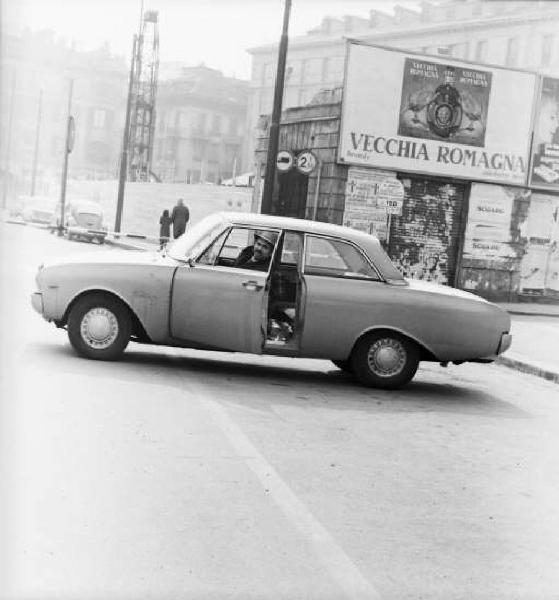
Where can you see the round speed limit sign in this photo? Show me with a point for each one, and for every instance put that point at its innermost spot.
(306, 162)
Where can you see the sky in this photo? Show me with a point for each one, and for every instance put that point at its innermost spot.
(215, 32)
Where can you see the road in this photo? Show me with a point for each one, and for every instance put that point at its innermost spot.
(185, 474)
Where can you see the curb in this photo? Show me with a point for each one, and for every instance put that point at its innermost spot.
(532, 314)
(530, 368)
(125, 245)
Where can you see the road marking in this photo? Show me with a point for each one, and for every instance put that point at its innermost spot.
(329, 552)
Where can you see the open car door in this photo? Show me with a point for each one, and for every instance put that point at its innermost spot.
(217, 305)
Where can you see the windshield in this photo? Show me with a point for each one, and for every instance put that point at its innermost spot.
(195, 239)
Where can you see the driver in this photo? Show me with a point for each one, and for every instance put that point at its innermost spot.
(258, 256)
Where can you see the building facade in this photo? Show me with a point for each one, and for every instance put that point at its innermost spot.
(453, 165)
(518, 34)
(200, 126)
(36, 73)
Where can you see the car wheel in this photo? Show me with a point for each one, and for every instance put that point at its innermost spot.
(344, 365)
(99, 327)
(385, 360)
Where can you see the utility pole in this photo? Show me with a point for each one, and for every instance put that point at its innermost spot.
(68, 146)
(9, 143)
(273, 140)
(37, 137)
(125, 144)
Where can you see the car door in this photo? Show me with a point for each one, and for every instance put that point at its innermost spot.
(342, 289)
(216, 305)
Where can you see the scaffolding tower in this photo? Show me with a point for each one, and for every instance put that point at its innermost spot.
(142, 101)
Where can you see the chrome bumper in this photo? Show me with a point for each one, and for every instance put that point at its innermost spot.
(37, 302)
(504, 344)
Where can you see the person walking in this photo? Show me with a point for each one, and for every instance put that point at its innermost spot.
(179, 217)
(164, 229)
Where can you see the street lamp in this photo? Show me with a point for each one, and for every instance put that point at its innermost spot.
(68, 147)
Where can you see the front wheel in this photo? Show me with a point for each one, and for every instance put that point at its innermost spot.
(99, 327)
(385, 360)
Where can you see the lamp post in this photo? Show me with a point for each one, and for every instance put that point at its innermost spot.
(36, 151)
(273, 140)
(125, 143)
(68, 146)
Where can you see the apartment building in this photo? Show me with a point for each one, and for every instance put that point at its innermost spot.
(200, 126)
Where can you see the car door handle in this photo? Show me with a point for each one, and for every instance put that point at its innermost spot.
(252, 286)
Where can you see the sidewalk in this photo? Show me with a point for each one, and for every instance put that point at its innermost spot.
(535, 340)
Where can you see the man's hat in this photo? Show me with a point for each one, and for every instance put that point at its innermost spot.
(268, 236)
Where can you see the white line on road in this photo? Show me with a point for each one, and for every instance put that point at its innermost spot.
(338, 563)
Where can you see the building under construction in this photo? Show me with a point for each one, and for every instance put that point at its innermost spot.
(143, 98)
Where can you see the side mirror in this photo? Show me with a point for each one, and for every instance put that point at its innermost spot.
(191, 262)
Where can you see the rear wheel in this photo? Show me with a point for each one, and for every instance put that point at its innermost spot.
(385, 360)
(99, 327)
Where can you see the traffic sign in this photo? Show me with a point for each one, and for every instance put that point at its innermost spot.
(306, 162)
(284, 161)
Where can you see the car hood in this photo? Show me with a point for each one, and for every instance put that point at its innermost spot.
(111, 257)
(436, 288)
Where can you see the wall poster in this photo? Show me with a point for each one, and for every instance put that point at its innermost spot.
(545, 163)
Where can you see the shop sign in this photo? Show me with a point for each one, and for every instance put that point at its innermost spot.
(435, 115)
(545, 160)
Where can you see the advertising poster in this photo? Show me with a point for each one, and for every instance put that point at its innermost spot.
(436, 116)
(545, 164)
(489, 220)
(366, 198)
(444, 102)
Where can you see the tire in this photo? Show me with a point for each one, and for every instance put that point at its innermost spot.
(99, 327)
(344, 365)
(385, 360)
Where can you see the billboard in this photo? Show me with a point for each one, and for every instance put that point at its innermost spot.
(436, 116)
(545, 163)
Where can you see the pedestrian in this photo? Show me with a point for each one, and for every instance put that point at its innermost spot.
(164, 229)
(179, 217)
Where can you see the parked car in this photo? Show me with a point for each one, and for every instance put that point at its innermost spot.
(38, 209)
(83, 220)
(330, 292)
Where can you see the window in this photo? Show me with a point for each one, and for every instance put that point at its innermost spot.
(216, 124)
(291, 250)
(333, 258)
(512, 52)
(481, 50)
(547, 50)
(209, 256)
(201, 123)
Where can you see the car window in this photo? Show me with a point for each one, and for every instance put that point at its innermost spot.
(291, 249)
(210, 255)
(238, 239)
(334, 258)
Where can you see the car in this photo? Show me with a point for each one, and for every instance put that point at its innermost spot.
(38, 209)
(83, 220)
(329, 292)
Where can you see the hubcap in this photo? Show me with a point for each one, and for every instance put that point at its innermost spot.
(386, 357)
(99, 328)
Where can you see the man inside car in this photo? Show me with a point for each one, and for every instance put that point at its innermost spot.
(257, 256)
